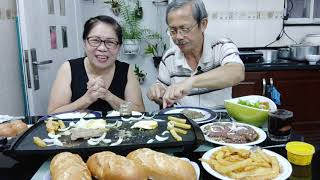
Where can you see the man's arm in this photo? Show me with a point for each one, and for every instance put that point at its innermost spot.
(222, 77)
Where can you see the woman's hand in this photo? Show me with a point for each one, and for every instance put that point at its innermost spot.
(96, 89)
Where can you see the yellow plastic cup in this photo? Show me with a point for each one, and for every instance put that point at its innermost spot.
(299, 153)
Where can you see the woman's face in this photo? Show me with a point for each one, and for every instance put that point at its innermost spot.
(101, 46)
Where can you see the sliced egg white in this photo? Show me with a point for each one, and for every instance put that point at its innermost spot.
(91, 124)
(145, 124)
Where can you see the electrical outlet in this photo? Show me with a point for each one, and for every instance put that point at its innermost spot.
(263, 14)
(252, 15)
(8, 13)
(278, 15)
(270, 14)
(223, 15)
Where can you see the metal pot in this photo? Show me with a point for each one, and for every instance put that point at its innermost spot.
(284, 53)
(299, 51)
(268, 54)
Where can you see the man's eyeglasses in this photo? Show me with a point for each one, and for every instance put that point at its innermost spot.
(182, 31)
(96, 42)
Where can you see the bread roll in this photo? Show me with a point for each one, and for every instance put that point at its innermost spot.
(109, 166)
(7, 131)
(162, 166)
(12, 128)
(19, 126)
(68, 166)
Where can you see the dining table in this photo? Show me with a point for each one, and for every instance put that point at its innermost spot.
(37, 168)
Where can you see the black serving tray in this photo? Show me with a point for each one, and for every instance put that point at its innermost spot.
(24, 146)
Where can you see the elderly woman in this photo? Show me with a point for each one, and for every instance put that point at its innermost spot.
(99, 81)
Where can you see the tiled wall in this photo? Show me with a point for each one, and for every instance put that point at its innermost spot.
(252, 23)
(248, 23)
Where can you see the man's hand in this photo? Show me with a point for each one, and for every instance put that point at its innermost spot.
(156, 93)
(176, 92)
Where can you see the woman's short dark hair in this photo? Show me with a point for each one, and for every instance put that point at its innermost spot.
(92, 22)
(199, 11)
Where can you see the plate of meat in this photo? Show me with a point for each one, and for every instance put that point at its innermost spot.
(229, 133)
(197, 114)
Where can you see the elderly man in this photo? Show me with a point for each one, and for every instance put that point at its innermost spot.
(199, 70)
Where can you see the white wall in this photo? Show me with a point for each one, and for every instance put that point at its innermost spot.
(11, 97)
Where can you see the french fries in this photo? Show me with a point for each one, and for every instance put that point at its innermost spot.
(61, 124)
(175, 119)
(39, 142)
(244, 164)
(53, 126)
(181, 125)
(177, 125)
(175, 135)
(180, 131)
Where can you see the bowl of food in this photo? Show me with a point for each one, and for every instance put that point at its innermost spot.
(251, 109)
(312, 58)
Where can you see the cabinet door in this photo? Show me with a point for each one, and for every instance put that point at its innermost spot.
(254, 84)
(299, 93)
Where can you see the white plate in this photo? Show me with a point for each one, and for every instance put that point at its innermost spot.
(262, 135)
(47, 175)
(195, 166)
(285, 166)
(209, 115)
(73, 115)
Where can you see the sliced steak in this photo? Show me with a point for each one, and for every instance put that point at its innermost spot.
(230, 133)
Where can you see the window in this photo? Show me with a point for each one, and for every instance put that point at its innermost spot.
(303, 11)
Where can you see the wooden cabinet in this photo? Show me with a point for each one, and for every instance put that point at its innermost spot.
(300, 92)
(254, 84)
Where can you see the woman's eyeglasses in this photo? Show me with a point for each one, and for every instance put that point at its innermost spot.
(96, 42)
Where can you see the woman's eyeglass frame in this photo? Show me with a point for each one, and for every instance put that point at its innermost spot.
(108, 43)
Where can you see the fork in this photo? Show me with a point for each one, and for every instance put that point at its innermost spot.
(255, 148)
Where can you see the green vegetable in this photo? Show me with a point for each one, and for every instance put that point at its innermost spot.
(259, 105)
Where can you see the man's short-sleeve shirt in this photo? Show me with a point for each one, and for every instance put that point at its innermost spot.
(174, 68)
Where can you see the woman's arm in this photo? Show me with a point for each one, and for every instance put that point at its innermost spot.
(60, 98)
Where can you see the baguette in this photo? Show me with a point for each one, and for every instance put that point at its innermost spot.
(110, 166)
(68, 166)
(160, 166)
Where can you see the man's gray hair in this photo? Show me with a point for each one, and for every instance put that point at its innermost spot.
(199, 11)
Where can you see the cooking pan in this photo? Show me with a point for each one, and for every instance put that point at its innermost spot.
(268, 54)
(24, 146)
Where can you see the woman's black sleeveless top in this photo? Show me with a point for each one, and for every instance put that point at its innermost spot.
(79, 79)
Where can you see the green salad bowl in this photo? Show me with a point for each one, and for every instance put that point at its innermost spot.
(247, 114)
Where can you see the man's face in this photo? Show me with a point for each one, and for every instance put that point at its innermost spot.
(186, 33)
